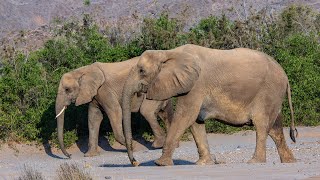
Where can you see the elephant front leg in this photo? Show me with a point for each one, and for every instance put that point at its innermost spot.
(176, 130)
(94, 120)
(183, 118)
(200, 136)
(171, 142)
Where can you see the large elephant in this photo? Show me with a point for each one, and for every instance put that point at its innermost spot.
(238, 87)
(100, 85)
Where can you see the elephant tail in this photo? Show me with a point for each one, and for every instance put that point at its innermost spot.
(293, 129)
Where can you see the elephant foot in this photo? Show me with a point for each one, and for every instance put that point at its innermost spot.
(256, 160)
(164, 162)
(205, 161)
(158, 142)
(290, 159)
(91, 153)
(178, 144)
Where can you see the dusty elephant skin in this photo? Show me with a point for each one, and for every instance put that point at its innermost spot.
(100, 85)
(239, 87)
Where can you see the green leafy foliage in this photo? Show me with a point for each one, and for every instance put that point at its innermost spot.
(69, 138)
(86, 2)
(162, 33)
(23, 85)
(213, 126)
(300, 59)
(214, 32)
(29, 82)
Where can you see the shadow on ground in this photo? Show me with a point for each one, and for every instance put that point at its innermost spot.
(48, 151)
(149, 163)
(103, 143)
(76, 118)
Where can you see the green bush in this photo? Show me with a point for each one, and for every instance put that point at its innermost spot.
(162, 33)
(23, 96)
(29, 82)
(213, 126)
(300, 58)
(214, 32)
(70, 137)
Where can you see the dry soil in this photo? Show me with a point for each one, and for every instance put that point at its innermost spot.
(233, 151)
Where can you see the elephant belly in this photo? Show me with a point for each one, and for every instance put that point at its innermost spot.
(233, 116)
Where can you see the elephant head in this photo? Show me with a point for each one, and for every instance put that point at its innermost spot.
(79, 87)
(161, 75)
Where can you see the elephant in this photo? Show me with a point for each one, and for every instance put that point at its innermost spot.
(238, 87)
(100, 85)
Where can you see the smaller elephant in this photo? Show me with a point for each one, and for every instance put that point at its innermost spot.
(100, 85)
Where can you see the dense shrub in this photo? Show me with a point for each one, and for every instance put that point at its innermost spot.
(300, 58)
(214, 32)
(162, 33)
(23, 90)
(28, 82)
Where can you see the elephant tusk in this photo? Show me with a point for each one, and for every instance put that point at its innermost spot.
(64, 108)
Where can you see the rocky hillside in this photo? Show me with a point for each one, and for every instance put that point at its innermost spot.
(17, 15)
(25, 25)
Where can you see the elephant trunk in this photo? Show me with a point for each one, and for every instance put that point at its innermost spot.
(60, 107)
(128, 93)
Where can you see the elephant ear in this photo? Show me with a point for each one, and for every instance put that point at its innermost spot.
(89, 84)
(177, 76)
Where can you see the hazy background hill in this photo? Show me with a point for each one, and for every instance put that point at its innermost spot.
(17, 15)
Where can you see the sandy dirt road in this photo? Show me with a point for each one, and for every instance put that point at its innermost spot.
(232, 150)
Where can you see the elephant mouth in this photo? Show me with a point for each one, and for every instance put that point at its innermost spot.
(73, 100)
(143, 88)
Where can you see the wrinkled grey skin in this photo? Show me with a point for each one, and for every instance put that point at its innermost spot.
(100, 85)
(238, 87)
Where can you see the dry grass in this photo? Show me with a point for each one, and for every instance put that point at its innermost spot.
(72, 172)
(29, 173)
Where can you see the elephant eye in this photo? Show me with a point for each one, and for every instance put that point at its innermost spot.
(142, 71)
(67, 90)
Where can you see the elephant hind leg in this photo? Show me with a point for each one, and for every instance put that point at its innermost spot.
(166, 113)
(276, 133)
(198, 131)
(149, 110)
(261, 124)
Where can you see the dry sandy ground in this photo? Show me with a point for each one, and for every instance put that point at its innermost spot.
(233, 150)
